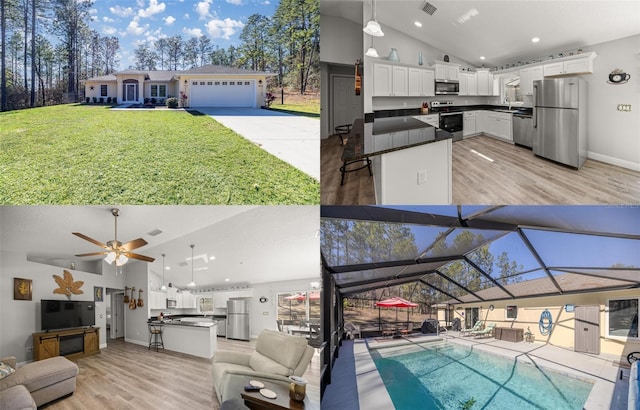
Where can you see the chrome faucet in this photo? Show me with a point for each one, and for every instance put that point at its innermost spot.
(508, 100)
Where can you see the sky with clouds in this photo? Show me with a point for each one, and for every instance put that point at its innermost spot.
(138, 21)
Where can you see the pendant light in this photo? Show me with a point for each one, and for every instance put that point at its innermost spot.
(373, 28)
(192, 283)
(163, 287)
(372, 52)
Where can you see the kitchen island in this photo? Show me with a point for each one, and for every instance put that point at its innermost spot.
(411, 160)
(194, 338)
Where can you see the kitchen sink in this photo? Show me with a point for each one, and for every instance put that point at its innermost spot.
(508, 111)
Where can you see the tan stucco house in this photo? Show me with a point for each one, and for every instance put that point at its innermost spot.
(206, 86)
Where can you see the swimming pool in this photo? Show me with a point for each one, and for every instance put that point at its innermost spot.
(451, 376)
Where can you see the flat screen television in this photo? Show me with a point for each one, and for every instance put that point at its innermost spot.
(64, 314)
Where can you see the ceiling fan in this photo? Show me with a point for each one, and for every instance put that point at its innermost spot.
(116, 251)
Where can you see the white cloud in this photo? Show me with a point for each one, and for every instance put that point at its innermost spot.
(235, 2)
(107, 19)
(154, 8)
(121, 11)
(140, 3)
(135, 28)
(186, 16)
(93, 12)
(169, 20)
(202, 8)
(194, 32)
(109, 31)
(223, 28)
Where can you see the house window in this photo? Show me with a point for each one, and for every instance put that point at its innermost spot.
(103, 90)
(247, 83)
(224, 83)
(623, 318)
(194, 83)
(201, 82)
(239, 82)
(511, 312)
(217, 82)
(209, 82)
(298, 308)
(158, 90)
(206, 304)
(232, 83)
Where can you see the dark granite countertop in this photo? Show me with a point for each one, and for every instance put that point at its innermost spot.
(480, 107)
(179, 323)
(389, 134)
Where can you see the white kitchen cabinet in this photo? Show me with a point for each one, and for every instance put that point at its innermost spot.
(462, 86)
(472, 84)
(157, 300)
(421, 82)
(504, 128)
(390, 80)
(469, 123)
(527, 77)
(491, 126)
(485, 82)
(481, 121)
(582, 65)
(431, 119)
(220, 300)
(446, 71)
(498, 124)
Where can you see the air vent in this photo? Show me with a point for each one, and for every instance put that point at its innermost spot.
(429, 8)
(183, 264)
(155, 232)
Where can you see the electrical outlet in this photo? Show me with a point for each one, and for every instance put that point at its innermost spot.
(422, 176)
(29, 349)
(624, 107)
(265, 313)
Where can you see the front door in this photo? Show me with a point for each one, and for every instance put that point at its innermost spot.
(587, 329)
(471, 316)
(131, 92)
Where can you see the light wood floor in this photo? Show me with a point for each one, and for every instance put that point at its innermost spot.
(515, 176)
(129, 376)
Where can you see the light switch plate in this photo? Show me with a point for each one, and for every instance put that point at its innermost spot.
(422, 176)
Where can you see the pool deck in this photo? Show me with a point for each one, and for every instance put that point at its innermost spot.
(608, 392)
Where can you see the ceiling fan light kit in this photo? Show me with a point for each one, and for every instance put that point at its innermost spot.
(192, 283)
(163, 287)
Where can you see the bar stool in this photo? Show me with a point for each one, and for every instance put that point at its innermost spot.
(155, 336)
(347, 153)
(342, 131)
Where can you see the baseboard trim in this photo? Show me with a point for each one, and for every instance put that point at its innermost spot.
(634, 166)
(103, 346)
(136, 342)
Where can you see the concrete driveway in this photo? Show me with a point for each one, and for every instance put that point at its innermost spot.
(294, 139)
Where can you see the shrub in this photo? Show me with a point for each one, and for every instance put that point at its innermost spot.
(88, 99)
(146, 100)
(101, 100)
(172, 102)
(153, 100)
(108, 100)
(95, 100)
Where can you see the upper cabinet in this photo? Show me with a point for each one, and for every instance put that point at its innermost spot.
(390, 80)
(446, 71)
(421, 82)
(527, 77)
(468, 84)
(583, 65)
(485, 82)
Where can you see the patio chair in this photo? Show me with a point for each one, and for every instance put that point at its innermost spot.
(475, 328)
(487, 331)
(352, 330)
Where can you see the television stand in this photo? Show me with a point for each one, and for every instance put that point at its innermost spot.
(71, 343)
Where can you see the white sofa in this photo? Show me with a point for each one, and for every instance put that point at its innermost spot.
(277, 356)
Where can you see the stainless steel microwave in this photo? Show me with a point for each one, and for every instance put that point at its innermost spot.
(171, 303)
(444, 87)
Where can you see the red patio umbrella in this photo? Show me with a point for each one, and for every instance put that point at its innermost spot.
(397, 303)
(297, 296)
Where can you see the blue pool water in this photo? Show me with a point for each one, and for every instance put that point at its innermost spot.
(446, 376)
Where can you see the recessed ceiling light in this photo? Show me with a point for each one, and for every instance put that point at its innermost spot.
(535, 39)
(417, 23)
(481, 57)
(211, 258)
(168, 268)
(227, 280)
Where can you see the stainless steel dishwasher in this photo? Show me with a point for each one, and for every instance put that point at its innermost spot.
(523, 130)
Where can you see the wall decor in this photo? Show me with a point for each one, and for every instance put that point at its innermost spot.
(446, 58)
(393, 55)
(67, 286)
(263, 299)
(618, 76)
(358, 78)
(97, 294)
(22, 289)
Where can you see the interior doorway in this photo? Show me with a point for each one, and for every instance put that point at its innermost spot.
(346, 106)
(115, 316)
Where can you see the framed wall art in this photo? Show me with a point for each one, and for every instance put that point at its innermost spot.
(22, 289)
(97, 294)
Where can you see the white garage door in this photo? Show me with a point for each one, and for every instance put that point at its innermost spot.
(222, 93)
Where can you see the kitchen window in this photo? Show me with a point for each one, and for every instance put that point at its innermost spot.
(622, 318)
(511, 312)
(205, 304)
(103, 90)
(159, 91)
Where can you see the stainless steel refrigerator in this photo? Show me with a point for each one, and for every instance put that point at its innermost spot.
(238, 318)
(560, 120)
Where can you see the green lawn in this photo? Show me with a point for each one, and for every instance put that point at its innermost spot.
(76, 154)
(308, 109)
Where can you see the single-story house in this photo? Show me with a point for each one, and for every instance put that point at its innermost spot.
(206, 86)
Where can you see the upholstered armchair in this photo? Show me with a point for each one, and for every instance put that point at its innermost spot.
(277, 356)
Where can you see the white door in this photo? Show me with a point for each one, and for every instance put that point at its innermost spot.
(347, 106)
(222, 93)
(117, 315)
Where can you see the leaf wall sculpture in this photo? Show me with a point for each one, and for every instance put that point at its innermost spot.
(67, 286)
